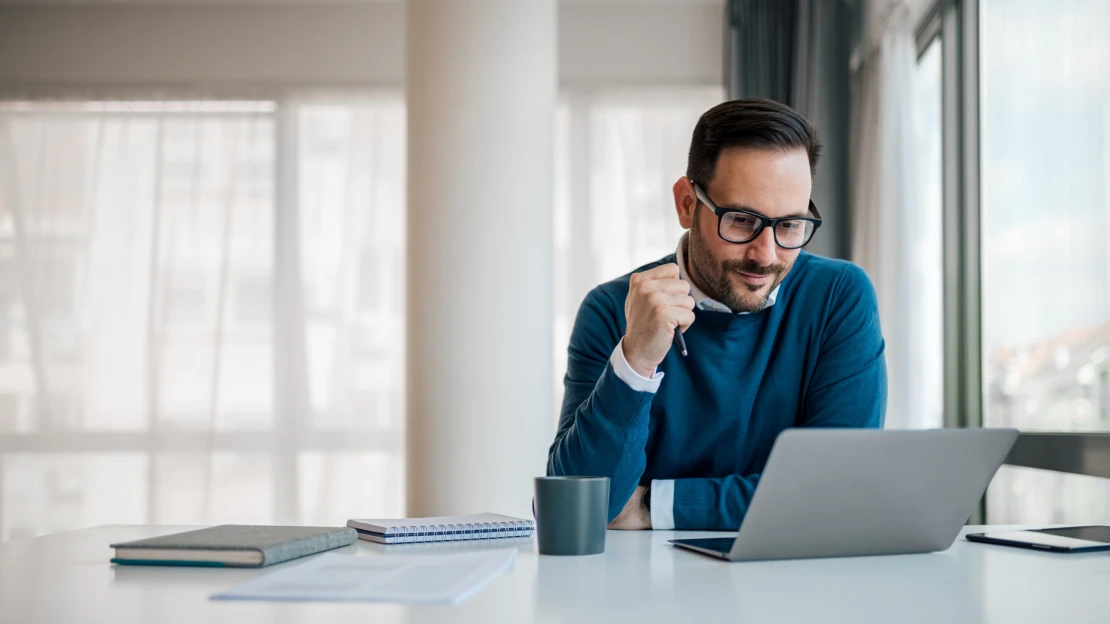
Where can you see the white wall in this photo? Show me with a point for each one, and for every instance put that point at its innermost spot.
(235, 49)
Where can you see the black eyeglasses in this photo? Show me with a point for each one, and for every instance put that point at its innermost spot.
(743, 226)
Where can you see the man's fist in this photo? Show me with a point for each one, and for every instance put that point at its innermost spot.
(658, 302)
(634, 516)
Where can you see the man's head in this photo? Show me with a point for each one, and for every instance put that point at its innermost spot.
(759, 156)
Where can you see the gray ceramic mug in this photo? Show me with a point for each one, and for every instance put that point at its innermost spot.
(571, 514)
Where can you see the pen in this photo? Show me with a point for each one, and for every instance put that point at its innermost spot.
(679, 341)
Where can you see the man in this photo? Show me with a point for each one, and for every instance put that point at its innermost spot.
(776, 337)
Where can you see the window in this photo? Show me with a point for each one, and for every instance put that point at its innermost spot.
(1045, 181)
(927, 249)
(140, 274)
(139, 331)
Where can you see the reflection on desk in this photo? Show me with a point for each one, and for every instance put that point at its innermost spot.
(681, 586)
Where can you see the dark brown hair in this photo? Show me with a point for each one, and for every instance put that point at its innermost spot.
(754, 123)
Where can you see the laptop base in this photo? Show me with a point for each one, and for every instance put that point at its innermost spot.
(718, 547)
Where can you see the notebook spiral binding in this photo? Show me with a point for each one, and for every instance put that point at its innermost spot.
(452, 532)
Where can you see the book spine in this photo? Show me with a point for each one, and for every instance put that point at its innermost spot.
(308, 546)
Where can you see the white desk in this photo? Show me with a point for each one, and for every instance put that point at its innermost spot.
(640, 579)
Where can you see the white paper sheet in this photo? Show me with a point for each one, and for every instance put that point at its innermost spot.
(410, 579)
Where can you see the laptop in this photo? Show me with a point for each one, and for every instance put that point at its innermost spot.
(856, 492)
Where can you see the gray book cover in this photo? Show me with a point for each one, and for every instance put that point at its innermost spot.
(233, 545)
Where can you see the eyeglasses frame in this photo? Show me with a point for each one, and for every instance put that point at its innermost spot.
(764, 221)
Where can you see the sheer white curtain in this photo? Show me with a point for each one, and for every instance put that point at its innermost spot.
(137, 320)
(893, 233)
(351, 173)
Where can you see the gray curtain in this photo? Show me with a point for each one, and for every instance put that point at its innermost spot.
(759, 55)
(798, 52)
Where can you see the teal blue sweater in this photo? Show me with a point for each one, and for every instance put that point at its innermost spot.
(814, 359)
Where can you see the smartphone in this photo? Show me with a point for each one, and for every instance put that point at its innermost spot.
(1061, 540)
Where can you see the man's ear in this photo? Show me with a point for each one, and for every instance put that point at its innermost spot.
(685, 202)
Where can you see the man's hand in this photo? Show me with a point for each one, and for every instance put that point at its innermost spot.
(634, 516)
(658, 302)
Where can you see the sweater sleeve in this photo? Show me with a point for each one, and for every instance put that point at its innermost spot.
(847, 389)
(603, 424)
(848, 385)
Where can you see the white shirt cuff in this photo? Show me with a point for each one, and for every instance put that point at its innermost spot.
(662, 504)
(635, 380)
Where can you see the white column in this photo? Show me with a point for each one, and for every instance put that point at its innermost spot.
(481, 89)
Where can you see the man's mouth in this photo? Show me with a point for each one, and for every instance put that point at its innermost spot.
(755, 279)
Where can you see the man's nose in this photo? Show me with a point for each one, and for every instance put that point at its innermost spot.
(762, 249)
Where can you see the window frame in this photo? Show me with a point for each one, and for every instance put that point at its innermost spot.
(956, 23)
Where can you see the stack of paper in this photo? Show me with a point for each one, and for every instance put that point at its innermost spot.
(412, 579)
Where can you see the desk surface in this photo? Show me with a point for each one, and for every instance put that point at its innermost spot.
(640, 579)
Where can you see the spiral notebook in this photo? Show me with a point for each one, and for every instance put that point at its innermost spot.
(443, 529)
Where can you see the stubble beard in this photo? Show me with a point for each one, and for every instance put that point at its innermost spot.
(715, 277)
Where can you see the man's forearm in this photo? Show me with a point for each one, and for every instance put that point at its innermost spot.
(712, 504)
(605, 436)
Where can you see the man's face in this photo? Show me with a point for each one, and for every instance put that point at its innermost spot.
(773, 183)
